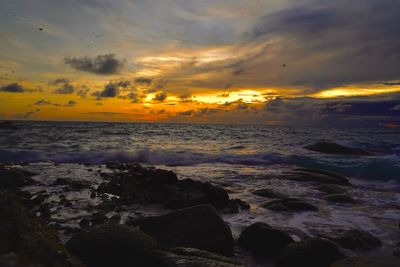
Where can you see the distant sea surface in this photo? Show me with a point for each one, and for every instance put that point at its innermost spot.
(186, 145)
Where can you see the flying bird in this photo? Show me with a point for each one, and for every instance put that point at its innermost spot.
(284, 65)
(98, 35)
(40, 29)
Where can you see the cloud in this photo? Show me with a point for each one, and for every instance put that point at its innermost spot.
(26, 115)
(160, 97)
(199, 112)
(83, 91)
(43, 102)
(70, 103)
(143, 81)
(112, 89)
(12, 88)
(106, 64)
(59, 81)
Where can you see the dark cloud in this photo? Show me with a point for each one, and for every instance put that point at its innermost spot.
(160, 97)
(65, 89)
(12, 88)
(334, 43)
(112, 89)
(199, 112)
(143, 80)
(59, 81)
(43, 102)
(102, 64)
(70, 103)
(83, 91)
(26, 115)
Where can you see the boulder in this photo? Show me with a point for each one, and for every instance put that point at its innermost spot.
(333, 148)
(289, 204)
(113, 245)
(12, 179)
(354, 239)
(368, 261)
(265, 192)
(137, 184)
(339, 198)
(196, 227)
(310, 252)
(22, 234)
(264, 241)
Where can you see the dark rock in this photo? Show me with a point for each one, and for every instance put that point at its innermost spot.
(115, 218)
(354, 239)
(93, 194)
(98, 218)
(12, 179)
(84, 223)
(368, 261)
(190, 257)
(264, 241)
(339, 198)
(332, 189)
(44, 210)
(318, 176)
(137, 184)
(28, 238)
(310, 252)
(268, 193)
(396, 253)
(289, 204)
(332, 148)
(197, 227)
(236, 205)
(114, 245)
(72, 185)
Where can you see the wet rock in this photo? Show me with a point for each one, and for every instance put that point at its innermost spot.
(115, 218)
(310, 252)
(114, 245)
(12, 179)
(137, 184)
(339, 198)
(72, 185)
(264, 241)
(332, 189)
(45, 211)
(265, 192)
(28, 238)
(333, 148)
(354, 239)
(190, 257)
(368, 261)
(289, 204)
(236, 205)
(318, 176)
(98, 218)
(197, 227)
(396, 253)
(84, 223)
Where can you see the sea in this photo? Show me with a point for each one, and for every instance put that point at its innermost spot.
(240, 158)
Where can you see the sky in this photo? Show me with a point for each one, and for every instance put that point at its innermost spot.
(275, 62)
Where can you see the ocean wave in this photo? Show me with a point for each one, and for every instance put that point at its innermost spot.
(376, 168)
(180, 158)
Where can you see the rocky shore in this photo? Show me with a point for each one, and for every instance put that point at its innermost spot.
(189, 232)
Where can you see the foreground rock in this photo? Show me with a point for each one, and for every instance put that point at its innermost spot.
(27, 241)
(354, 239)
(310, 252)
(367, 261)
(333, 148)
(12, 179)
(121, 246)
(290, 205)
(113, 245)
(264, 241)
(197, 227)
(137, 184)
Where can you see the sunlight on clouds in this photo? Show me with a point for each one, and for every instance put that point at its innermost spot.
(348, 92)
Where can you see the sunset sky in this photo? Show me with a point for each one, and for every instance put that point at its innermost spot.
(272, 62)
